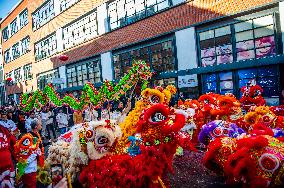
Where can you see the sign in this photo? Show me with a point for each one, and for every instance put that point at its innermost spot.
(58, 80)
(187, 81)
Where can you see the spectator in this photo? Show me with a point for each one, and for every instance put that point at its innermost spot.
(29, 121)
(21, 122)
(47, 122)
(9, 124)
(62, 120)
(78, 117)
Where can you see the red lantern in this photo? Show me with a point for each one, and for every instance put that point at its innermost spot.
(63, 57)
(9, 79)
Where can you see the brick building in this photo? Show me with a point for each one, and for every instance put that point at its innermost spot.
(198, 45)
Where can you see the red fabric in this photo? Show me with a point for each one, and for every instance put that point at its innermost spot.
(7, 141)
(29, 180)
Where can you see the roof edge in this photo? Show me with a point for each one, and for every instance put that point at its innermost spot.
(13, 8)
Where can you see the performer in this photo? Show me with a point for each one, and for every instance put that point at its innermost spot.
(30, 154)
(7, 173)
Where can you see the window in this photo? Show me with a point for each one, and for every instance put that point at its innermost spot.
(7, 56)
(160, 56)
(165, 82)
(266, 77)
(46, 47)
(17, 75)
(216, 46)
(218, 83)
(223, 82)
(251, 39)
(123, 12)
(80, 31)
(46, 78)
(15, 51)
(23, 18)
(5, 34)
(25, 45)
(14, 27)
(43, 15)
(28, 72)
(80, 74)
(65, 4)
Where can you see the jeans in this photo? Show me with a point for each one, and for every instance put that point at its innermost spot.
(62, 130)
(48, 127)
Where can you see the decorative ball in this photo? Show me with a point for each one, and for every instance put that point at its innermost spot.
(63, 57)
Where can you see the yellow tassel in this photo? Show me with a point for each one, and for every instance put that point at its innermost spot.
(69, 180)
(161, 182)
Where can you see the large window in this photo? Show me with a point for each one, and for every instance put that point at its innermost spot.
(17, 75)
(43, 15)
(123, 12)
(46, 78)
(65, 4)
(223, 82)
(23, 18)
(160, 56)
(28, 72)
(79, 74)
(249, 39)
(81, 30)
(7, 56)
(165, 82)
(5, 34)
(218, 83)
(266, 77)
(15, 51)
(25, 44)
(14, 27)
(46, 47)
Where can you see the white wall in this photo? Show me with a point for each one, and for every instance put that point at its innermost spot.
(62, 74)
(175, 2)
(281, 11)
(102, 19)
(186, 49)
(107, 70)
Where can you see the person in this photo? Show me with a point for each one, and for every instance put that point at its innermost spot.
(7, 123)
(21, 122)
(62, 120)
(47, 122)
(29, 121)
(7, 171)
(78, 117)
(29, 177)
(90, 114)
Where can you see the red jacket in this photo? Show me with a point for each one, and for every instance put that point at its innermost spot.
(7, 142)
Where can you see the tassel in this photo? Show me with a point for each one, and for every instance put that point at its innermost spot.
(161, 182)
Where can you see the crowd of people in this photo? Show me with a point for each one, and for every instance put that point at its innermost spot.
(45, 124)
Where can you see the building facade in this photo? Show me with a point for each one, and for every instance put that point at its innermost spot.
(199, 46)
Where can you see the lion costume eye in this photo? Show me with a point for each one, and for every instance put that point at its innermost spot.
(90, 134)
(157, 117)
(155, 99)
(101, 140)
(26, 142)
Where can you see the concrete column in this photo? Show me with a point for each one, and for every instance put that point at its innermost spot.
(176, 2)
(187, 56)
(281, 11)
(107, 69)
(186, 49)
(62, 75)
(103, 26)
(59, 40)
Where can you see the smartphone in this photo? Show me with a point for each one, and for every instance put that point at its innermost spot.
(56, 173)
